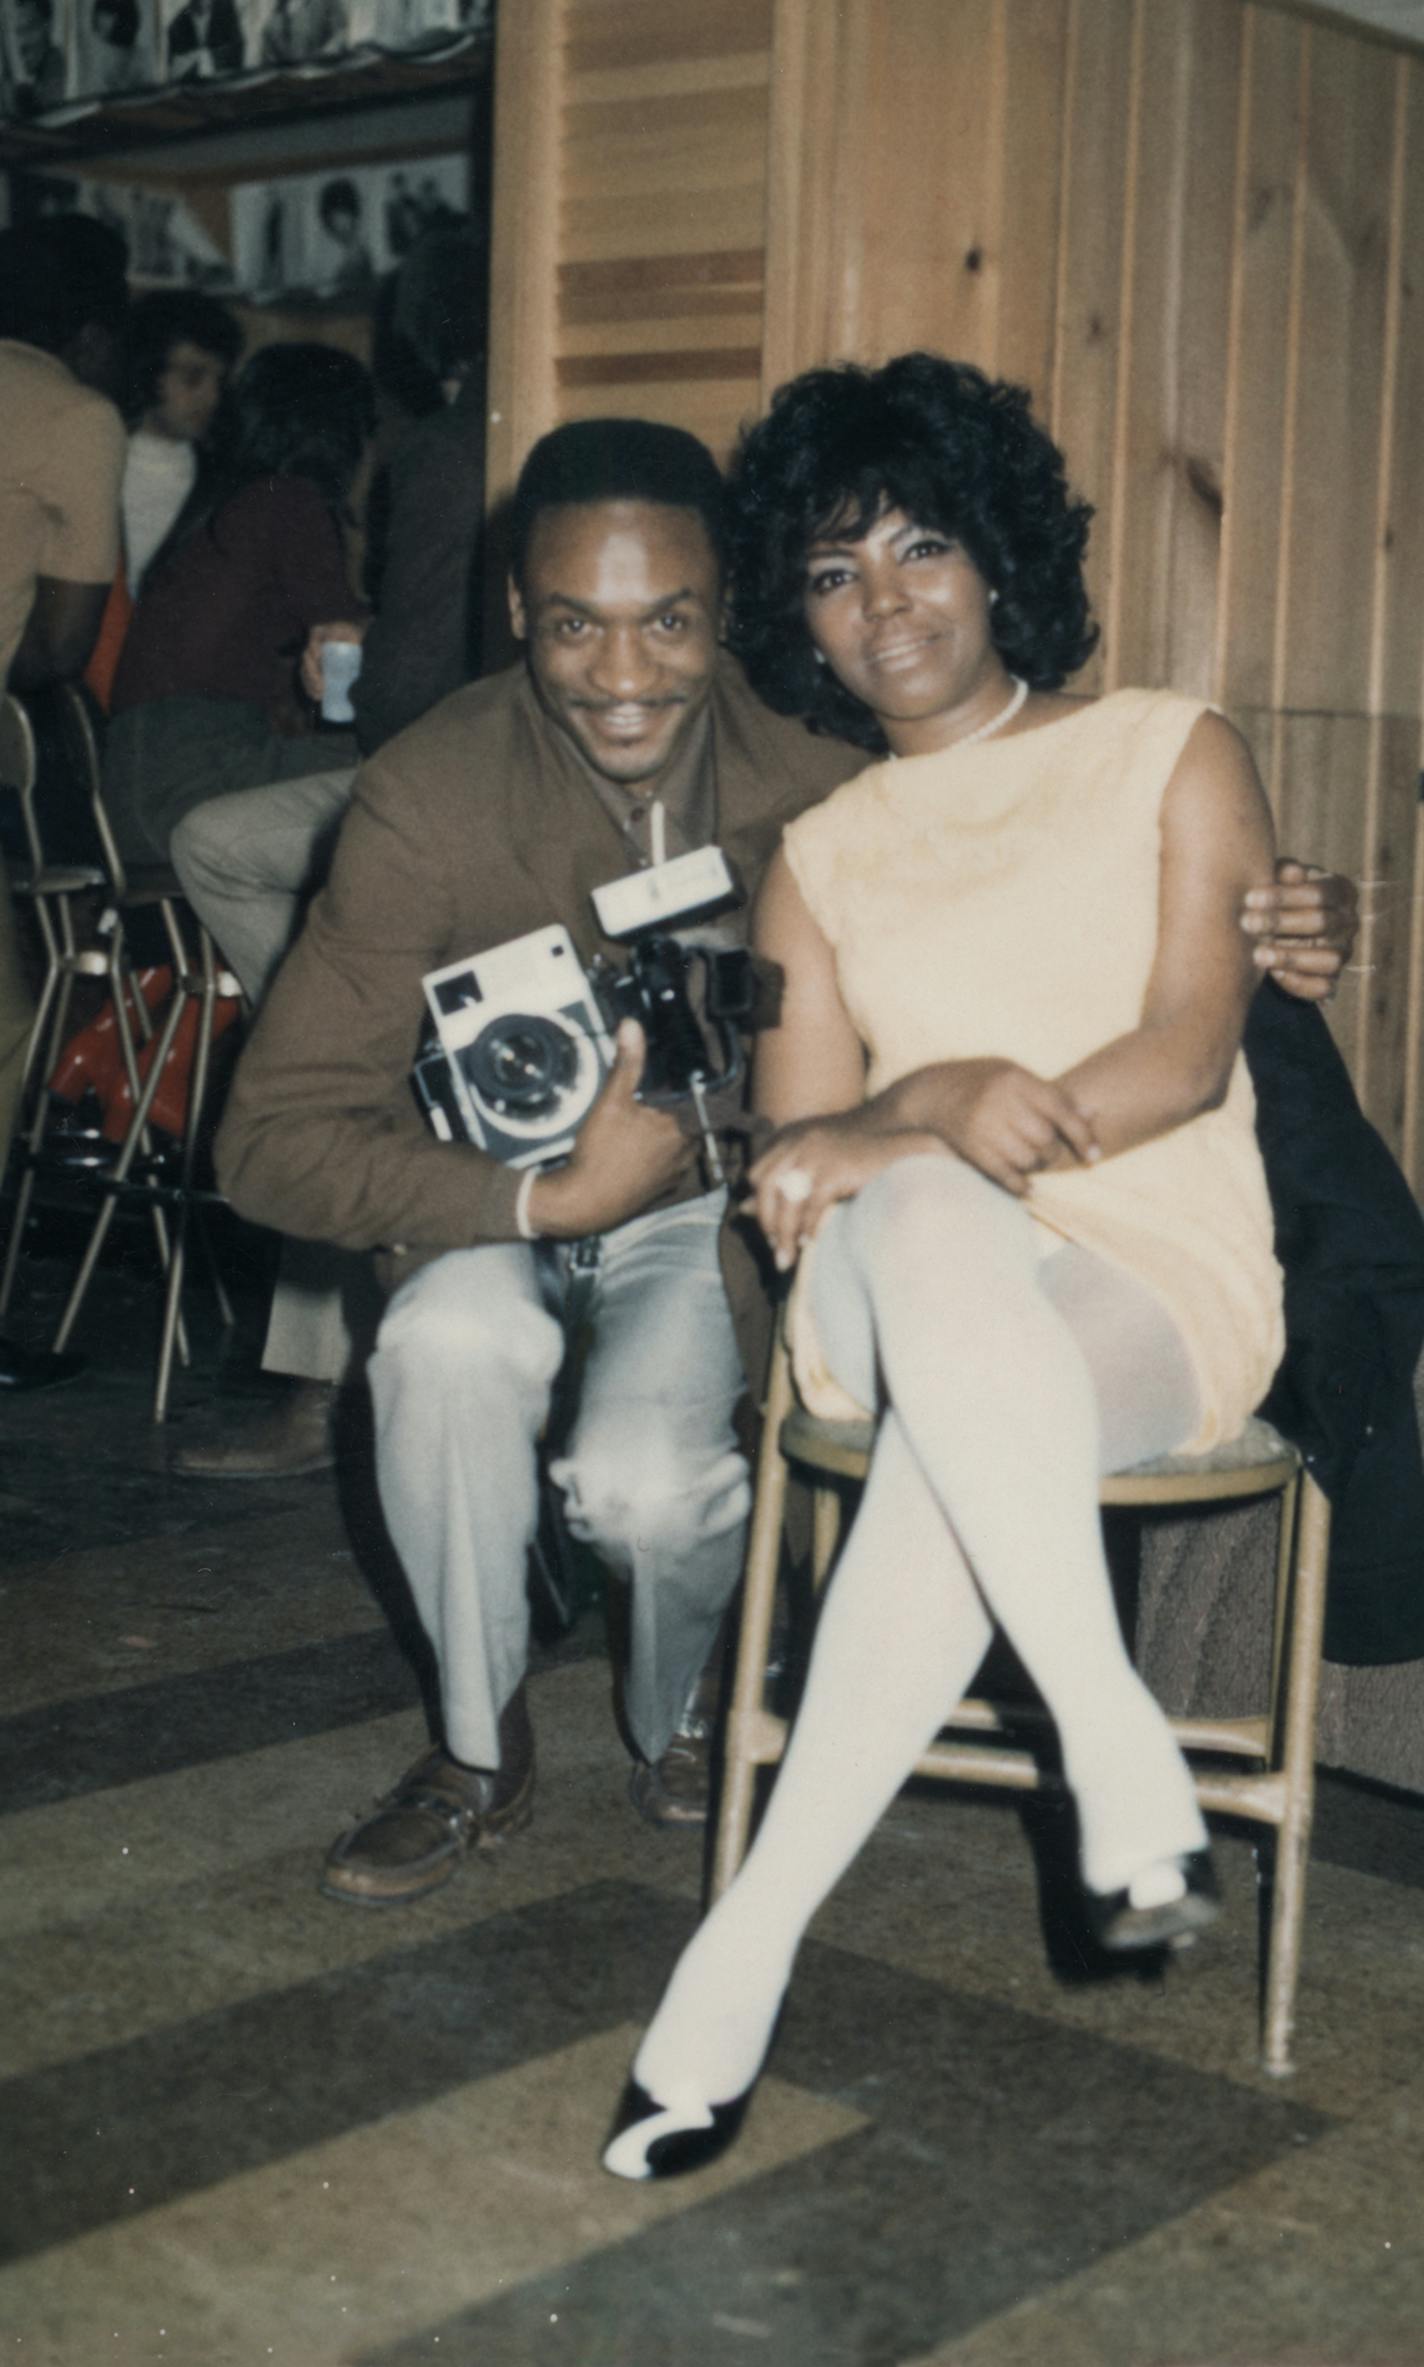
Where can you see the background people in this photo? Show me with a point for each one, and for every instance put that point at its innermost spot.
(63, 307)
(182, 349)
(204, 686)
(249, 862)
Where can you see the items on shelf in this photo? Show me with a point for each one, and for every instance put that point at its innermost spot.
(60, 59)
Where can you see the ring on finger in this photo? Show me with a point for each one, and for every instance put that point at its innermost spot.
(795, 1185)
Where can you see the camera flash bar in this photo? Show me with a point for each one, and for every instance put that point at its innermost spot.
(691, 887)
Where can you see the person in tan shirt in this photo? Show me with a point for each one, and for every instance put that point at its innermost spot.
(63, 301)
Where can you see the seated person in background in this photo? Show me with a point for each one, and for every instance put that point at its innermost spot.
(249, 862)
(182, 348)
(257, 557)
(495, 815)
(63, 303)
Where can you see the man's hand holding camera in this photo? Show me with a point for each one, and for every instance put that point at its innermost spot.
(626, 1156)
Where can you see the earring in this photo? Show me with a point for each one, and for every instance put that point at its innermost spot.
(993, 599)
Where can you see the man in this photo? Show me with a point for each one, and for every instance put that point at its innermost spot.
(63, 301)
(248, 862)
(494, 816)
(183, 348)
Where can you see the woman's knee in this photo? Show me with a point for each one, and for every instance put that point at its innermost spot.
(926, 1207)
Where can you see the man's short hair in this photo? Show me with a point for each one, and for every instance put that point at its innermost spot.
(169, 317)
(617, 460)
(59, 277)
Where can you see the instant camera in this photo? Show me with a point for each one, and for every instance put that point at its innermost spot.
(523, 1035)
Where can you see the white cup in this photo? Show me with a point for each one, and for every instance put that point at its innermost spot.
(340, 665)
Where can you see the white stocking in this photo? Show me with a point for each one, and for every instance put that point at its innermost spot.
(1010, 1384)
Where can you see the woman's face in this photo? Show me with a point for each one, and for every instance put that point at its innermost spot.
(901, 616)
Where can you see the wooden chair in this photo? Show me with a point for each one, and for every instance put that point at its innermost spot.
(1275, 1788)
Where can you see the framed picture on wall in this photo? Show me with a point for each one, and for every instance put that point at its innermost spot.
(408, 24)
(294, 32)
(168, 246)
(115, 46)
(334, 235)
(35, 51)
(205, 38)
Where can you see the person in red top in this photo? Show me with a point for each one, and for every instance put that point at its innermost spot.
(203, 699)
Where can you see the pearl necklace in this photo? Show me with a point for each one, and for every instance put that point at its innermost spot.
(997, 722)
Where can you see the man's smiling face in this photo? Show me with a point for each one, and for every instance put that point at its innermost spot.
(619, 607)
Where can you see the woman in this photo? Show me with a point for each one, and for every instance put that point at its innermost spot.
(203, 699)
(1015, 1158)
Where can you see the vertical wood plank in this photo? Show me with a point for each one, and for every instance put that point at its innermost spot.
(1202, 339)
(1254, 487)
(525, 218)
(1322, 763)
(1413, 1120)
(805, 241)
(1387, 940)
(1089, 294)
(926, 275)
(1323, 630)
(1397, 656)
(1033, 35)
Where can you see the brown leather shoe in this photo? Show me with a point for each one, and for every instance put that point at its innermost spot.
(674, 1790)
(418, 1835)
(294, 1437)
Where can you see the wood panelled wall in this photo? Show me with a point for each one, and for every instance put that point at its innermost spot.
(1194, 228)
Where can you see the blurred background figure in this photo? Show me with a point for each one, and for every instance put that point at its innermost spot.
(249, 863)
(349, 270)
(63, 307)
(205, 38)
(301, 29)
(204, 699)
(182, 349)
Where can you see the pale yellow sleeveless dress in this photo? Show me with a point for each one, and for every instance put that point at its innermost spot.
(1002, 900)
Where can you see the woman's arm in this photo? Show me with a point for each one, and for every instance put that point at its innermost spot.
(1217, 843)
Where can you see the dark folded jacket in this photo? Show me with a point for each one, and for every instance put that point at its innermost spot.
(1351, 1240)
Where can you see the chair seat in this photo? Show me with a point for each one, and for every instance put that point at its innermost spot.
(54, 879)
(1257, 1456)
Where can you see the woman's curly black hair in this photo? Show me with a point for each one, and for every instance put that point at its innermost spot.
(956, 451)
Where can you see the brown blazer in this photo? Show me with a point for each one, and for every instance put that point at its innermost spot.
(475, 826)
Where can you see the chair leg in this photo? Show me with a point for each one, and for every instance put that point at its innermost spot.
(125, 1161)
(739, 1760)
(1297, 1759)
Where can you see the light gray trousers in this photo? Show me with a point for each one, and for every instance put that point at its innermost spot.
(248, 863)
(650, 1473)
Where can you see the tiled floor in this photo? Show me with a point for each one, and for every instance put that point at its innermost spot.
(241, 2124)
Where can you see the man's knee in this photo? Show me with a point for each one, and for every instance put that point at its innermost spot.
(200, 847)
(436, 1334)
(631, 1500)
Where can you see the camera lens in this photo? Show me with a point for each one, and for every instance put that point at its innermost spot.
(521, 1064)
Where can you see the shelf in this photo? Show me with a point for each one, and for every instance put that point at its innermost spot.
(152, 120)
